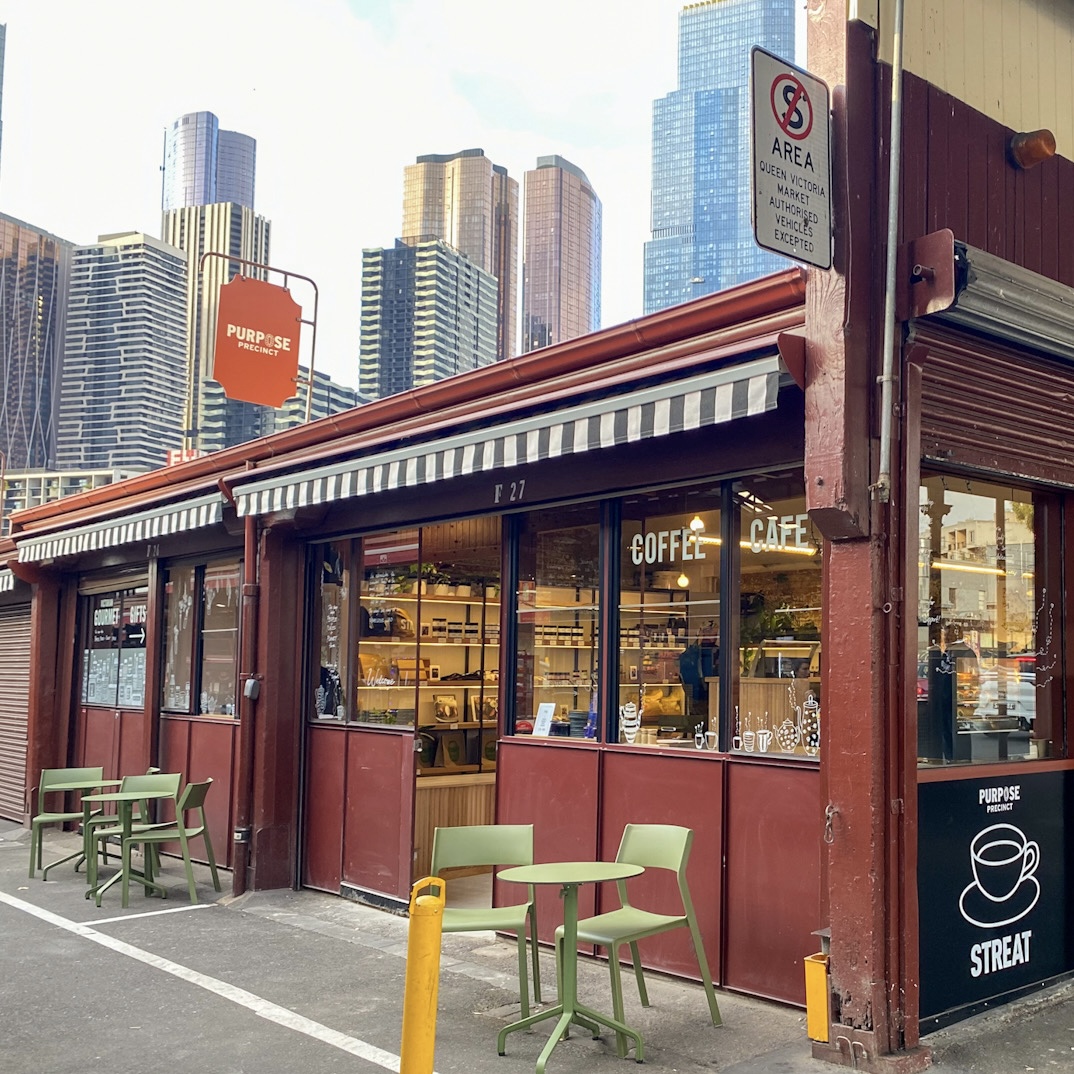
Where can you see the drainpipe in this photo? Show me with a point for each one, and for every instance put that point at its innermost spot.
(251, 688)
(882, 488)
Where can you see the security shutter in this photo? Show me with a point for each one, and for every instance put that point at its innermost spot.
(987, 407)
(14, 700)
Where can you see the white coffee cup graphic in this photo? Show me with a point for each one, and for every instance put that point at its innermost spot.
(748, 739)
(1002, 858)
(764, 740)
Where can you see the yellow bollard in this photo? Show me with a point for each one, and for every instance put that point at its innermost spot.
(422, 977)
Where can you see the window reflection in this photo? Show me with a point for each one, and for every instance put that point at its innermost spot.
(669, 614)
(779, 704)
(984, 683)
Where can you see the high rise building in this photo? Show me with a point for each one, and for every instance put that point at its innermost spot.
(329, 397)
(204, 165)
(34, 270)
(428, 312)
(561, 254)
(213, 421)
(123, 392)
(472, 204)
(702, 238)
(208, 204)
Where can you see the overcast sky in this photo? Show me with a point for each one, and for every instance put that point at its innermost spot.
(340, 96)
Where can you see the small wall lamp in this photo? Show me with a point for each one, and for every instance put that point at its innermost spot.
(1031, 148)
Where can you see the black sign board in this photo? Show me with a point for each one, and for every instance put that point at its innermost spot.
(994, 858)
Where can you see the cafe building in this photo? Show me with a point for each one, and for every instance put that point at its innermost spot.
(736, 565)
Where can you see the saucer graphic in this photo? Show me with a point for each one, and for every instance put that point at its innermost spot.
(981, 911)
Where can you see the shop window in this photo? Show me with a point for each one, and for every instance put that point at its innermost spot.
(669, 615)
(201, 639)
(777, 705)
(557, 623)
(427, 652)
(332, 568)
(113, 663)
(987, 665)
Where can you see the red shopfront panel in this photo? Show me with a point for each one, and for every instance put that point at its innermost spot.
(687, 790)
(200, 749)
(326, 770)
(554, 788)
(379, 812)
(774, 830)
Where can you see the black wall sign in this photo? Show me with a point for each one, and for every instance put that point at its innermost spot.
(994, 858)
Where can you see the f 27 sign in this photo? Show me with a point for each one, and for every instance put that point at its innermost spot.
(257, 335)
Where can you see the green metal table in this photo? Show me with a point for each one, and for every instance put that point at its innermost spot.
(77, 785)
(569, 875)
(124, 801)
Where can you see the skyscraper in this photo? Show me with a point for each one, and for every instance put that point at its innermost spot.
(123, 393)
(3, 49)
(204, 165)
(472, 204)
(561, 254)
(213, 421)
(428, 312)
(329, 397)
(34, 269)
(702, 238)
(209, 209)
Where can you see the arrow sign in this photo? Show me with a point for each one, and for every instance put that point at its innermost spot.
(135, 634)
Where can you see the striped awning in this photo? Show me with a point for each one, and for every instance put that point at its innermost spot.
(705, 399)
(7, 581)
(140, 526)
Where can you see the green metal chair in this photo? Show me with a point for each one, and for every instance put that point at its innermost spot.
(653, 846)
(192, 800)
(475, 845)
(104, 826)
(50, 778)
(140, 815)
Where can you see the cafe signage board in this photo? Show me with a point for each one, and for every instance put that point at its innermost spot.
(993, 870)
(790, 160)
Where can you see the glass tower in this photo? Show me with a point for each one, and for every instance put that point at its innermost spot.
(428, 312)
(561, 255)
(472, 204)
(124, 375)
(34, 272)
(204, 165)
(702, 238)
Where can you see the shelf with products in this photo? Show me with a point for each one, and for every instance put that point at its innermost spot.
(440, 645)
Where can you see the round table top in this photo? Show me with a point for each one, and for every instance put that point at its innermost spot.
(570, 872)
(126, 796)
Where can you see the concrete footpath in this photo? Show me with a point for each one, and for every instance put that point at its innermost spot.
(284, 981)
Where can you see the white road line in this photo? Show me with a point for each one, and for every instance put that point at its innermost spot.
(263, 1008)
(155, 913)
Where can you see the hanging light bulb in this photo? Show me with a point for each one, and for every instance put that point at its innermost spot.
(683, 581)
(696, 525)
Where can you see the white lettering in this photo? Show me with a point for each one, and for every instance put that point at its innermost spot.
(661, 546)
(1000, 954)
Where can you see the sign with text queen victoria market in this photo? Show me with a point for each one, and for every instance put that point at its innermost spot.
(257, 334)
(791, 160)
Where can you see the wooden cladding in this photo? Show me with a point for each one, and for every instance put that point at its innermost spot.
(955, 174)
(985, 407)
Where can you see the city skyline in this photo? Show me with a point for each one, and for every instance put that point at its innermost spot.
(586, 96)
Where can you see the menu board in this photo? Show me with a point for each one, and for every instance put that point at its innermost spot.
(132, 678)
(102, 669)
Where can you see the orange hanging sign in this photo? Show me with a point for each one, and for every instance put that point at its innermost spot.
(257, 334)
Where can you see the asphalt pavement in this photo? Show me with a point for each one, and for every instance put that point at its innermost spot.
(287, 981)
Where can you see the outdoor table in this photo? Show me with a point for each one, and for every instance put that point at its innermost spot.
(77, 785)
(125, 806)
(568, 875)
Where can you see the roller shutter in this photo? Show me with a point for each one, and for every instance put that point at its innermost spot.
(14, 700)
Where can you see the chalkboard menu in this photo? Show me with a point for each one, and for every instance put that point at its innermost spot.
(994, 868)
